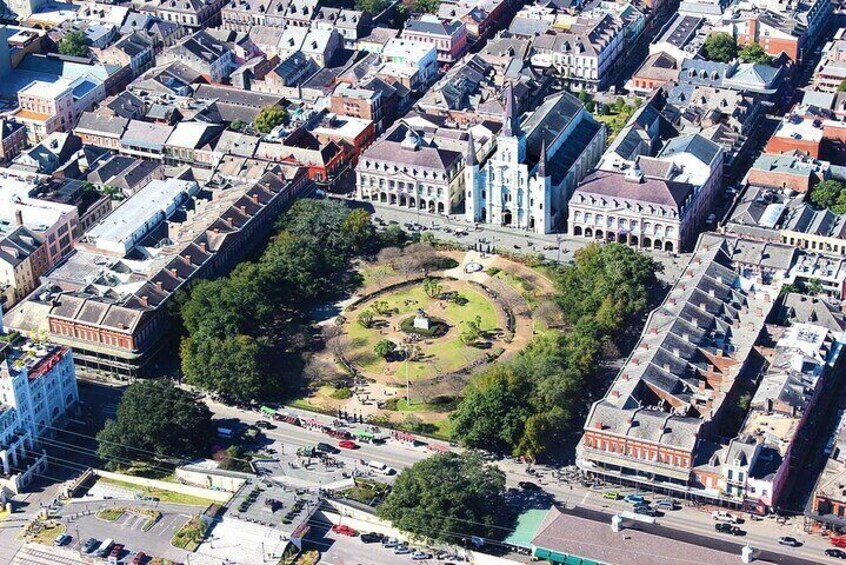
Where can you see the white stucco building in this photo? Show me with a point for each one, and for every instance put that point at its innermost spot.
(531, 175)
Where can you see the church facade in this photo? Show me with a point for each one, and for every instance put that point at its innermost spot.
(527, 181)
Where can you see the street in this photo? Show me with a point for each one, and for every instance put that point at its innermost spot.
(761, 534)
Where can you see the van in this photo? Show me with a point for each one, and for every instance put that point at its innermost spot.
(105, 547)
(224, 432)
(380, 467)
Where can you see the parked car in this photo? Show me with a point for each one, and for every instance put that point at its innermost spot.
(344, 530)
(347, 444)
(421, 555)
(90, 545)
(139, 559)
(528, 485)
(645, 511)
(665, 504)
(789, 541)
(372, 537)
(612, 495)
(722, 527)
(326, 448)
(114, 556)
(61, 539)
(265, 425)
(105, 548)
(836, 553)
(634, 499)
(402, 550)
(724, 516)
(390, 543)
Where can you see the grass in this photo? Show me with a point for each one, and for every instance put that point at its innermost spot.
(48, 533)
(615, 121)
(188, 537)
(404, 406)
(444, 354)
(162, 495)
(367, 492)
(111, 514)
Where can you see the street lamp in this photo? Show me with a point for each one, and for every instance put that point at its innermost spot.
(558, 246)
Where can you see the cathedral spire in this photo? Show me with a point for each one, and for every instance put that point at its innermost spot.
(470, 157)
(511, 126)
(542, 160)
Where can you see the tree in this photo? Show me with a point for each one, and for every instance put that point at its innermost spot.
(269, 118)
(360, 231)
(380, 307)
(472, 332)
(604, 109)
(426, 6)
(494, 410)
(384, 348)
(75, 43)
(815, 286)
(155, 420)
(720, 47)
(237, 125)
(365, 319)
(448, 497)
(830, 194)
(842, 86)
(232, 365)
(371, 6)
(432, 287)
(754, 53)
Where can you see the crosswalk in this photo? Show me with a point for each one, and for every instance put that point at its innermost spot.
(34, 554)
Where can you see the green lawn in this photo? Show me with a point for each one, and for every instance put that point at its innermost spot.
(444, 354)
(162, 495)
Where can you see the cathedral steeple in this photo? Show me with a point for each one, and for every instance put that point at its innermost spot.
(542, 161)
(511, 126)
(470, 158)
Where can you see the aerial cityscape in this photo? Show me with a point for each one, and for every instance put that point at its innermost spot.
(378, 282)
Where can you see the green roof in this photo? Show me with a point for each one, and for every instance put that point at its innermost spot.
(528, 524)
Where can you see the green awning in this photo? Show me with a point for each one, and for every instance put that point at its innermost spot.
(363, 434)
(527, 527)
(268, 410)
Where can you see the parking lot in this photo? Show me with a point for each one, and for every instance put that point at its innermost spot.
(337, 549)
(82, 523)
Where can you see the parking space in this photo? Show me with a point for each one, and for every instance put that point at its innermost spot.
(339, 549)
(128, 529)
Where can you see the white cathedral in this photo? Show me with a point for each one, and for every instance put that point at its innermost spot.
(531, 175)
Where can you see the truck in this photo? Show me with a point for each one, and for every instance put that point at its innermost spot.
(839, 541)
(380, 467)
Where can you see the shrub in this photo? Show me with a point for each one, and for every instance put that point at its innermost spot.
(342, 393)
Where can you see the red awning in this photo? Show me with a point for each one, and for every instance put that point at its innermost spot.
(438, 447)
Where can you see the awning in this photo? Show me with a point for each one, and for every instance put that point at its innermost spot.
(267, 410)
(439, 447)
(363, 434)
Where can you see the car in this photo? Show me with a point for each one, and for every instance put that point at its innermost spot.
(528, 485)
(61, 539)
(723, 516)
(114, 556)
(665, 504)
(612, 495)
(326, 448)
(836, 553)
(645, 511)
(139, 558)
(347, 444)
(344, 530)
(789, 541)
(421, 555)
(390, 543)
(371, 537)
(402, 550)
(634, 499)
(722, 528)
(90, 545)
(265, 425)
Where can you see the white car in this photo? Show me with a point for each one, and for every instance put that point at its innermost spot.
(421, 555)
(723, 516)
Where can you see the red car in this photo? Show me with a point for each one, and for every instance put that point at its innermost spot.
(347, 444)
(139, 559)
(344, 530)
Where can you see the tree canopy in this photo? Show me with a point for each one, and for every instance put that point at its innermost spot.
(754, 53)
(75, 43)
(720, 47)
(155, 420)
(372, 6)
(269, 118)
(448, 497)
(526, 406)
(227, 319)
(830, 194)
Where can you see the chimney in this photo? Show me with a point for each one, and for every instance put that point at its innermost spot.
(159, 286)
(686, 337)
(19, 220)
(676, 352)
(615, 394)
(597, 425)
(667, 367)
(203, 245)
(145, 301)
(243, 210)
(255, 198)
(173, 272)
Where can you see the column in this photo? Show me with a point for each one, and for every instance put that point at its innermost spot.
(4, 458)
